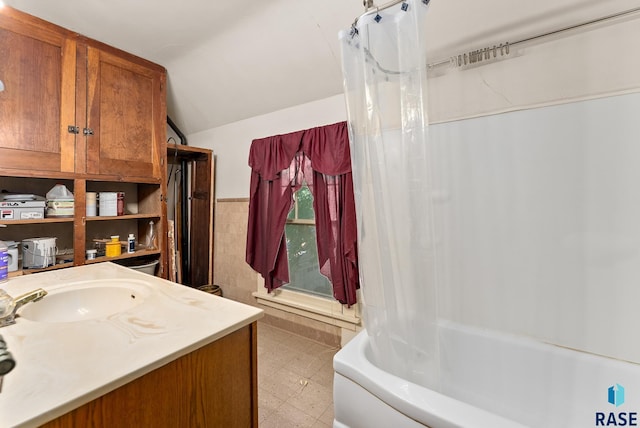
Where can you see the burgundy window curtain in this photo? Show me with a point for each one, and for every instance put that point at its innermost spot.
(279, 166)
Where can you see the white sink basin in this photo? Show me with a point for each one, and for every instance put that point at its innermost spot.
(83, 301)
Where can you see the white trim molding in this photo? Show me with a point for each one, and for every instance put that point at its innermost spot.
(321, 309)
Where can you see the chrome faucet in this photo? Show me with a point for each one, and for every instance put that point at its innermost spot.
(9, 306)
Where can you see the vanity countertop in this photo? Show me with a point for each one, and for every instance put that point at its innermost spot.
(63, 365)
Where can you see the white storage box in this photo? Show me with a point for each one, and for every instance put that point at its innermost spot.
(21, 207)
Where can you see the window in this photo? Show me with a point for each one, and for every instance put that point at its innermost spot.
(300, 233)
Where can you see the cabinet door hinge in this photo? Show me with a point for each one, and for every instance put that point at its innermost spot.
(73, 129)
(87, 131)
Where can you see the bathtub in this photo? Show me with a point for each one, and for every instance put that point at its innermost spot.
(488, 379)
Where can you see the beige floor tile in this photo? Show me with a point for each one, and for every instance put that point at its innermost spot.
(327, 416)
(295, 380)
(267, 404)
(324, 375)
(313, 399)
(288, 416)
(284, 384)
(305, 365)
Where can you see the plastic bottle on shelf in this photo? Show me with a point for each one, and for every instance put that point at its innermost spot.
(4, 261)
(151, 243)
(131, 243)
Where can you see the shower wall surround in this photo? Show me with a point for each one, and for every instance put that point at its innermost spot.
(534, 191)
(537, 213)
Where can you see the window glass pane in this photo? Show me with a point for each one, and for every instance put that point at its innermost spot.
(305, 203)
(304, 273)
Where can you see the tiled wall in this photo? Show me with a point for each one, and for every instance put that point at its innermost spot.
(238, 281)
(231, 272)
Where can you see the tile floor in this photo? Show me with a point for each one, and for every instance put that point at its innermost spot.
(295, 380)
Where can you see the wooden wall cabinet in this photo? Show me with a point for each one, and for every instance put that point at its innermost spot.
(38, 69)
(72, 104)
(77, 111)
(126, 116)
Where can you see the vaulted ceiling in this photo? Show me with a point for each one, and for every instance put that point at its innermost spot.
(231, 60)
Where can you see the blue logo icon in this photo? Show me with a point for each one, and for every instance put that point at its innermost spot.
(616, 395)
(616, 418)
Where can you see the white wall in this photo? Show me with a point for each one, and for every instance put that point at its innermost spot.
(230, 143)
(572, 66)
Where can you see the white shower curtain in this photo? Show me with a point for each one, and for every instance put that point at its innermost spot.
(384, 67)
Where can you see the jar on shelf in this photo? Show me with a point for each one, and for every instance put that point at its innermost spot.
(113, 247)
(91, 254)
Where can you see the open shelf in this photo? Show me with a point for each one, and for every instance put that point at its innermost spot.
(122, 217)
(139, 253)
(54, 267)
(38, 221)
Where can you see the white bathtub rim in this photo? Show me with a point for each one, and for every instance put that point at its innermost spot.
(417, 402)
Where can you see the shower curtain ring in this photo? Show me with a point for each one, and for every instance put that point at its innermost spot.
(377, 18)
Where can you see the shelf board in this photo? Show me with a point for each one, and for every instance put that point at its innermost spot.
(54, 267)
(182, 152)
(123, 217)
(38, 221)
(70, 219)
(139, 253)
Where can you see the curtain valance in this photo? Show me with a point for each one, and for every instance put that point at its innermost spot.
(326, 146)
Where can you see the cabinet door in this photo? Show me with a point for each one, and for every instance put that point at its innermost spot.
(37, 67)
(126, 114)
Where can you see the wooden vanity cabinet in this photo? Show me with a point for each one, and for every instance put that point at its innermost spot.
(214, 386)
(37, 68)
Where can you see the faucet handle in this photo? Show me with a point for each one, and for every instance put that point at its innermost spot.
(6, 304)
(7, 363)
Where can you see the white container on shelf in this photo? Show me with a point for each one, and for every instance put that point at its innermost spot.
(108, 204)
(131, 243)
(12, 264)
(60, 202)
(148, 268)
(91, 199)
(38, 252)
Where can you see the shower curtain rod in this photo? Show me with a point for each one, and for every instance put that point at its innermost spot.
(478, 55)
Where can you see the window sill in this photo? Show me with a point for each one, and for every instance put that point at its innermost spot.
(319, 309)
